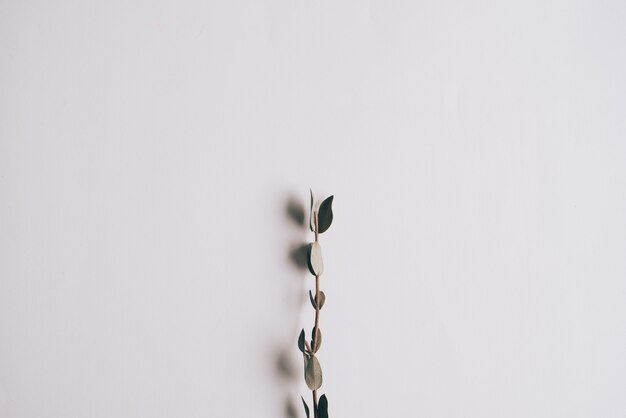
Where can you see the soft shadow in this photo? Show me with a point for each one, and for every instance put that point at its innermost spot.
(295, 211)
(299, 255)
(290, 408)
(284, 366)
(287, 371)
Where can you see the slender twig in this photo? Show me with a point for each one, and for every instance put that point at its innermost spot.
(320, 221)
(317, 289)
(317, 311)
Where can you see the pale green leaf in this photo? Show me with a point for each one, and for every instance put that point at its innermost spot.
(312, 372)
(312, 214)
(316, 264)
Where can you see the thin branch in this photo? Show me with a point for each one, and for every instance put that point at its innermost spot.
(317, 311)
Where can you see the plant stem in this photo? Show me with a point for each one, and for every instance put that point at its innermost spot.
(317, 311)
(317, 234)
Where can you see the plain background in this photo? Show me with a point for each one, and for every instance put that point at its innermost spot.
(149, 151)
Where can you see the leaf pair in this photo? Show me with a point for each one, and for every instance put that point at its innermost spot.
(324, 214)
(316, 343)
(322, 407)
(322, 297)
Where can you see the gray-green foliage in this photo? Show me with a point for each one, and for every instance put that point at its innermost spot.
(312, 372)
(325, 216)
(319, 222)
(322, 299)
(316, 263)
(316, 342)
(322, 407)
(306, 407)
(312, 214)
(301, 341)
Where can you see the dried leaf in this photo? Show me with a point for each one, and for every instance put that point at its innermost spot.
(312, 372)
(322, 407)
(301, 341)
(316, 343)
(316, 264)
(325, 215)
(306, 407)
(312, 215)
(322, 299)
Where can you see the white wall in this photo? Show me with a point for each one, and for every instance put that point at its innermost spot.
(149, 150)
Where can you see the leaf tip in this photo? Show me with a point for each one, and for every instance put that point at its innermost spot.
(301, 341)
(325, 214)
(306, 407)
(322, 407)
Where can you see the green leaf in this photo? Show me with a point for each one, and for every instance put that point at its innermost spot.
(322, 299)
(301, 341)
(322, 407)
(315, 344)
(312, 372)
(312, 214)
(325, 215)
(306, 407)
(316, 264)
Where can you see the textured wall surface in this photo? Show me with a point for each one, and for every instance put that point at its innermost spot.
(151, 152)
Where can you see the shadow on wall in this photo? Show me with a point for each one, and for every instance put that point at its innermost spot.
(298, 256)
(299, 252)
